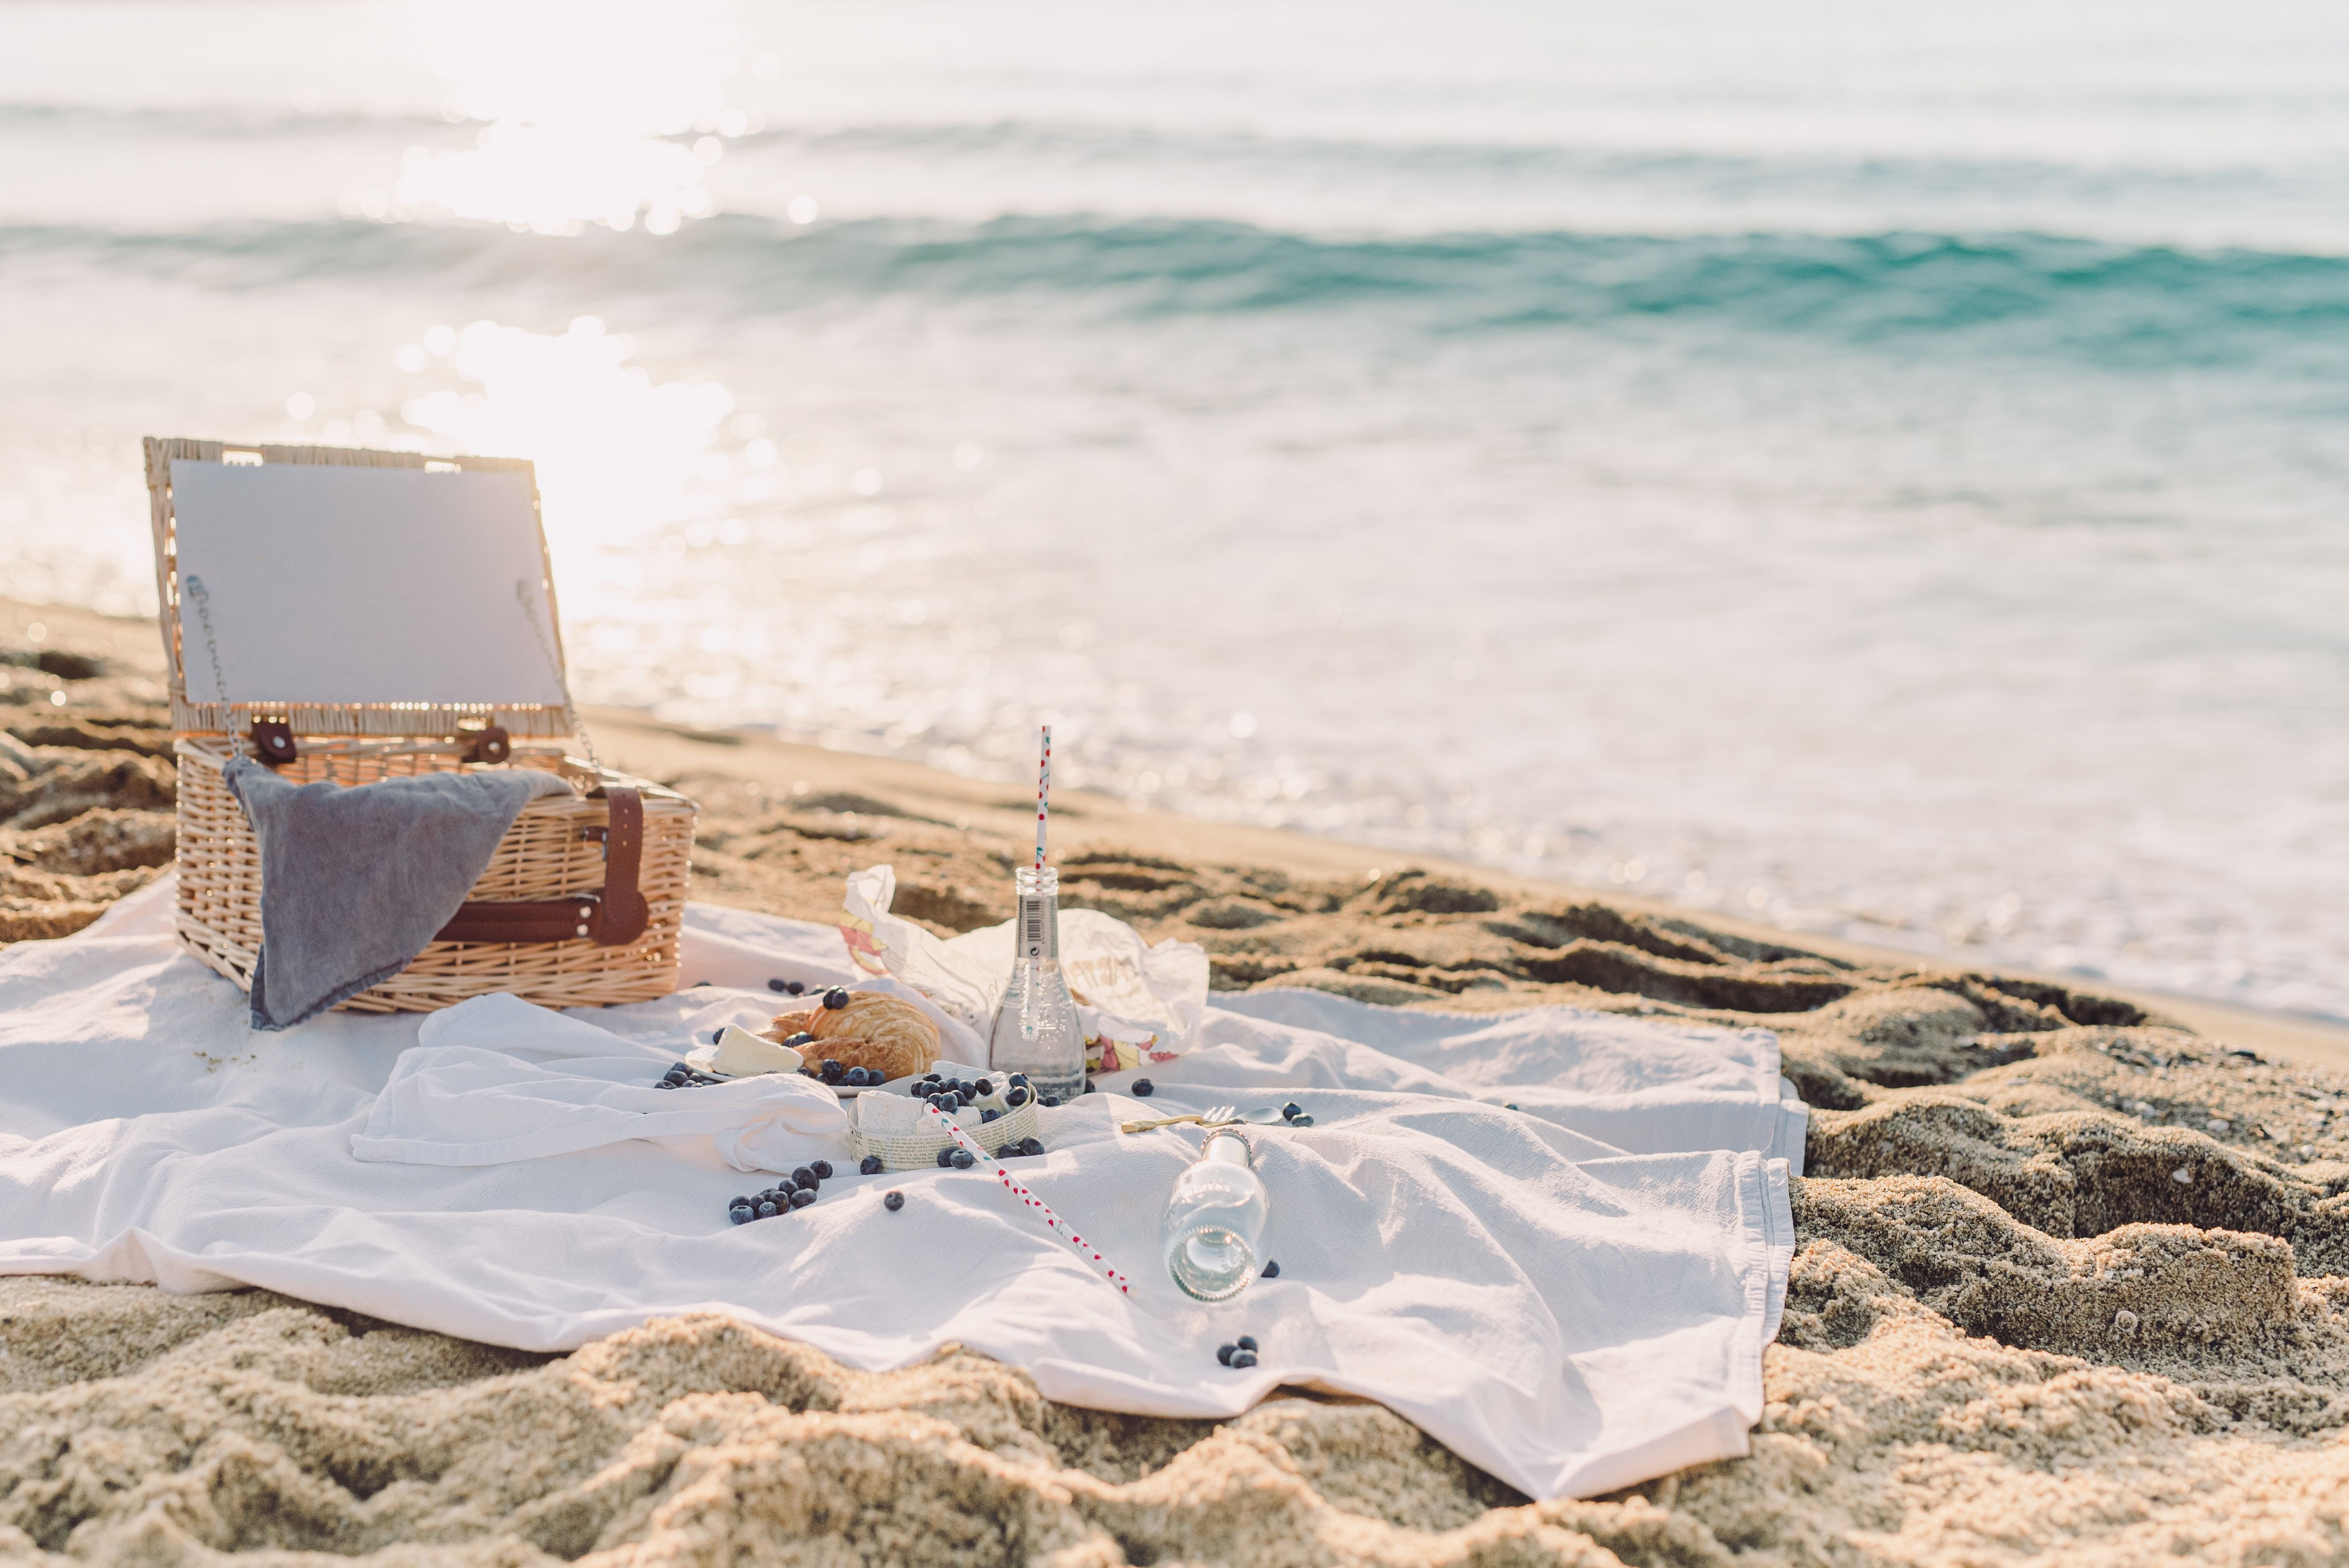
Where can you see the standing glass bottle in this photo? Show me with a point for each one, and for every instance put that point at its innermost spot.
(1036, 1030)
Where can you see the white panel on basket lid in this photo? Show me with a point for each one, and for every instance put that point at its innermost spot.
(332, 584)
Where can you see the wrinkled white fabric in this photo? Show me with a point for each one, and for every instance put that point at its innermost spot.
(1571, 1316)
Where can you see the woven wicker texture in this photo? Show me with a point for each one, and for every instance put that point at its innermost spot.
(549, 853)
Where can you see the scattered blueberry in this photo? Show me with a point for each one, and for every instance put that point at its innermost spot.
(1241, 1358)
(1291, 1112)
(766, 1211)
(802, 1177)
(937, 1102)
(1051, 1102)
(831, 1072)
(837, 998)
(779, 985)
(1224, 1352)
(742, 1216)
(1089, 1086)
(715, 1036)
(893, 1202)
(1300, 1121)
(822, 1168)
(985, 1087)
(1018, 1096)
(737, 1203)
(1143, 1088)
(665, 1083)
(1035, 1146)
(698, 984)
(1017, 1080)
(1510, 1105)
(961, 1160)
(989, 1115)
(945, 1156)
(803, 1198)
(801, 1038)
(794, 987)
(1272, 1269)
(869, 1166)
(1246, 1342)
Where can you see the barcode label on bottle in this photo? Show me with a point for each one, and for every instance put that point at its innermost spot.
(1032, 930)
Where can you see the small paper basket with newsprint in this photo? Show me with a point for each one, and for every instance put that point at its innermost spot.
(358, 615)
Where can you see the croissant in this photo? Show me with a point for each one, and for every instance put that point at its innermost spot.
(871, 1031)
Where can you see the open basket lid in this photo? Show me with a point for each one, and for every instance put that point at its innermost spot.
(354, 593)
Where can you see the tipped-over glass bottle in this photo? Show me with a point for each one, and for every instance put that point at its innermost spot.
(1215, 1218)
(1036, 1030)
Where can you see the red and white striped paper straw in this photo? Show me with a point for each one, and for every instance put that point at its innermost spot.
(1052, 1221)
(1043, 794)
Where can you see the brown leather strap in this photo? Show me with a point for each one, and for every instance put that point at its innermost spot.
(625, 913)
(612, 918)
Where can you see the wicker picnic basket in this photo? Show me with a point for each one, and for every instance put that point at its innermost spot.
(584, 898)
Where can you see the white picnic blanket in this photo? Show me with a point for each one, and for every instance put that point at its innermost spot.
(1573, 1295)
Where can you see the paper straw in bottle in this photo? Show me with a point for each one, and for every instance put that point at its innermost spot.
(1043, 793)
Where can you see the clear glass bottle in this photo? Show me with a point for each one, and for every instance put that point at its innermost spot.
(1215, 1218)
(1036, 1030)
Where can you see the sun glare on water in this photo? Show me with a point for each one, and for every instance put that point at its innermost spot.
(590, 113)
(617, 454)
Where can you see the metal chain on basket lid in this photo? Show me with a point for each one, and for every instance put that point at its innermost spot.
(562, 680)
(272, 741)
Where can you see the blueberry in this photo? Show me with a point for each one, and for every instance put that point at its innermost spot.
(893, 1202)
(1300, 1121)
(766, 1211)
(794, 987)
(803, 1198)
(1143, 1088)
(831, 1071)
(1241, 1358)
(1018, 1096)
(737, 1203)
(715, 1036)
(989, 1115)
(741, 1216)
(665, 1083)
(1089, 1086)
(802, 1177)
(1035, 1146)
(837, 998)
(822, 1168)
(1291, 1112)
(1246, 1342)
(1017, 1080)
(945, 1156)
(961, 1160)
(1224, 1352)
(986, 1087)
(778, 985)
(962, 1098)
(1272, 1269)
(853, 1078)
(937, 1102)
(869, 1166)
(1510, 1105)
(1051, 1102)
(800, 1040)
(698, 984)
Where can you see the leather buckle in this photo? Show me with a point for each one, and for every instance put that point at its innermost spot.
(273, 742)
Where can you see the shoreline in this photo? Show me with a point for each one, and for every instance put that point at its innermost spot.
(1085, 821)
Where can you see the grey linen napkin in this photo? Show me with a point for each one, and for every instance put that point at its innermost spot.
(354, 882)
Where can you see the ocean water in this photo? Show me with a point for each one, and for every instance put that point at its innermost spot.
(1883, 470)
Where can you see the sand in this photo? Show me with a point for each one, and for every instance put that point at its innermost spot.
(2073, 1279)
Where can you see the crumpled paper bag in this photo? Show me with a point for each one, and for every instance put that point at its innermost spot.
(1137, 1002)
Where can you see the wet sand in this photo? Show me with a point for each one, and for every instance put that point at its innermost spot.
(2070, 1278)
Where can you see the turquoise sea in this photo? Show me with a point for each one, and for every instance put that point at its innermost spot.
(1879, 469)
